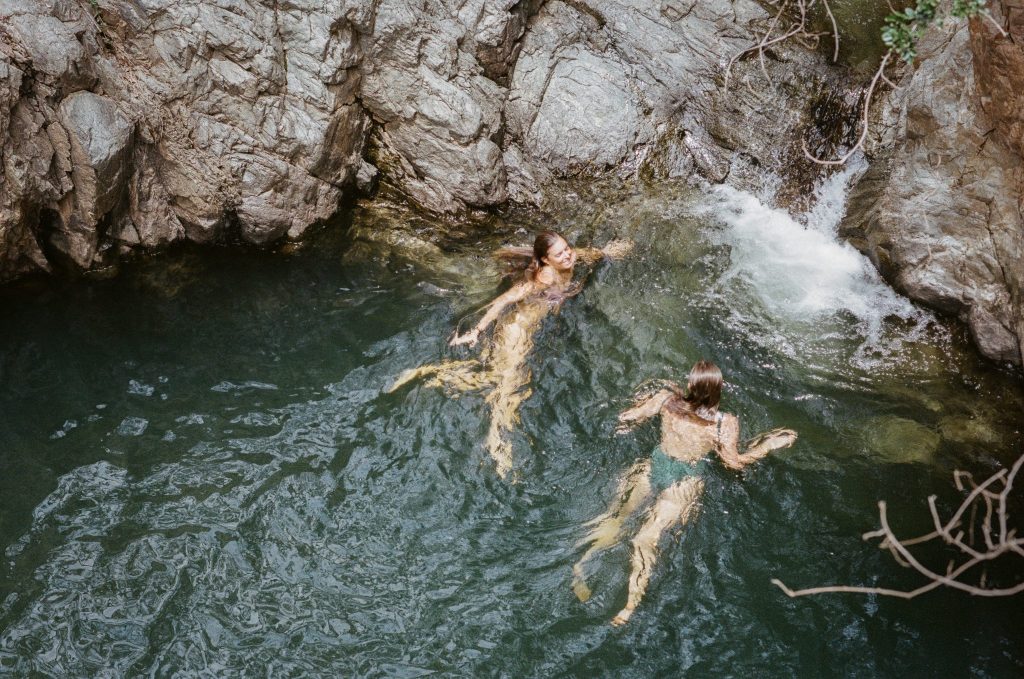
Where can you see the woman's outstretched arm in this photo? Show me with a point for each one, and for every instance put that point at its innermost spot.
(759, 447)
(615, 249)
(516, 293)
(643, 410)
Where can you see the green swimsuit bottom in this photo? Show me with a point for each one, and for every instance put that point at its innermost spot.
(667, 470)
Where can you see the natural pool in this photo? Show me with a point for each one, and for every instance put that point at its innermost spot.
(202, 476)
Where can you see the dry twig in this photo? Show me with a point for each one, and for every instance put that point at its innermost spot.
(798, 29)
(1000, 540)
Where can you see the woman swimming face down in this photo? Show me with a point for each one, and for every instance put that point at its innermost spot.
(703, 392)
(692, 429)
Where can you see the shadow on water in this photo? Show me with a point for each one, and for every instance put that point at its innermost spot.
(201, 474)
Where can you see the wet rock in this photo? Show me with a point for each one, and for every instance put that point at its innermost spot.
(367, 177)
(938, 210)
(965, 430)
(897, 439)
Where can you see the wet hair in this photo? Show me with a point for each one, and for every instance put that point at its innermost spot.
(703, 392)
(542, 244)
(530, 259)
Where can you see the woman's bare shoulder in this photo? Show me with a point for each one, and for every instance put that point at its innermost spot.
(546, 276)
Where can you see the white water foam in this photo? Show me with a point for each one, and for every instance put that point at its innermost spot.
(807, 283)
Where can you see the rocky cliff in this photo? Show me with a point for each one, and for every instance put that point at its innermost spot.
(132, 124)
(940, 209)
(137, 123)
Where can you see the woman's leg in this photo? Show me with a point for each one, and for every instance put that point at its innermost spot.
(510, 375)
(675, 504)
(452, 376)
(633, 489)
(504, 400)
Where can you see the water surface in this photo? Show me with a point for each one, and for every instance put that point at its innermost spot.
(200, 474)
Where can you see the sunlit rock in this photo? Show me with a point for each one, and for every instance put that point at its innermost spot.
(899, 440)
(938, 209)
(959, 429)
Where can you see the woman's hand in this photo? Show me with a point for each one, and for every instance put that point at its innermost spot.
(469, 338)
(617, 249)
(776, 439)
(624, 427)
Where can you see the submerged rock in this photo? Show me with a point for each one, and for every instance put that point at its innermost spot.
(959, 429)
(899, 440)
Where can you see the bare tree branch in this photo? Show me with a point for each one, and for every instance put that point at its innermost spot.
(999, 542)
(835, 31)
(865, 119)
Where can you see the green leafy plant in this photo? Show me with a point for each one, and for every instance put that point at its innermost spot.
(904, 29)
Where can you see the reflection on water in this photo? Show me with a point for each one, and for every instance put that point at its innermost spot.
(202, 474)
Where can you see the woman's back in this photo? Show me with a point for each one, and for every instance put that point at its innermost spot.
(688, 436)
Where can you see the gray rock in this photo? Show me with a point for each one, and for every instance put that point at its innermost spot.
(101, 144)
(367, 177)
(937, 210)
(439, 115)
(899, 440)
(51, 44)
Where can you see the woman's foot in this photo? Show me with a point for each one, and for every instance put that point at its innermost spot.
(622, 618)
(406, 376)
(579, 585)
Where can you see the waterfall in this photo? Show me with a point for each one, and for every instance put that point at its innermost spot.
(794, 283)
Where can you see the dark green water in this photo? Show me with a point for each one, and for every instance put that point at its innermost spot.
(200, 476)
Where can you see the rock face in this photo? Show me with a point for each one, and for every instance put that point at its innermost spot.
(939, 211)
(131, 124)
(136, 123)
(127, 123)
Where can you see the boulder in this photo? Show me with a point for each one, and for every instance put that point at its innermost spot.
(899, 440)
(938, 210)
(101, 148)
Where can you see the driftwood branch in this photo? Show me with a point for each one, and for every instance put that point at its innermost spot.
(999, 537)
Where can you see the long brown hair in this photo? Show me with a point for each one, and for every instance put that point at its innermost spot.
(703, 392)
(527, 259)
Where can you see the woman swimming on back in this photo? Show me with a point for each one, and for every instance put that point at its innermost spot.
(501, 369)
(692, 427)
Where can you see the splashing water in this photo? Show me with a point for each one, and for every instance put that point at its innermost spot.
(799, 284)
(232, 493)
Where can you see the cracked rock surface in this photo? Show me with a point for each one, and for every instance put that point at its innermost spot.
(136, 123)
(939, 210)
(133, 124)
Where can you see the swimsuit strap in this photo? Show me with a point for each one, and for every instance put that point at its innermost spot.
(718, 426)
